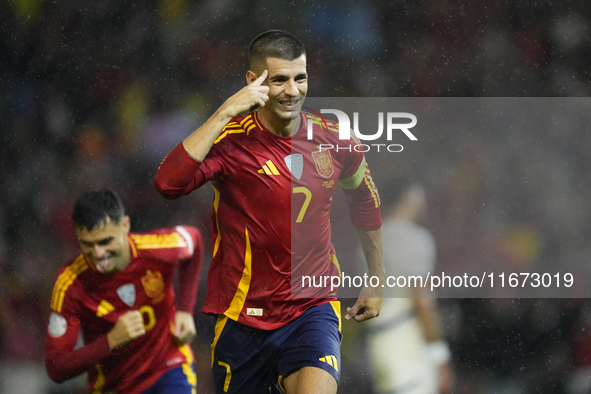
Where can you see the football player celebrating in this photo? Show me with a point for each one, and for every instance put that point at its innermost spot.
(119, 294)
(271, 227)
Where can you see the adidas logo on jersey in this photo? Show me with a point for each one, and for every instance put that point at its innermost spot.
(104, 308)
(254, 311)
(269, 169)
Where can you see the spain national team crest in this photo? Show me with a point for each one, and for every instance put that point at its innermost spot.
(154, 285)
(127, 294)
(323, 161)
(295, 163)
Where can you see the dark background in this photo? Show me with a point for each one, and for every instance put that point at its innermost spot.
(95, 94)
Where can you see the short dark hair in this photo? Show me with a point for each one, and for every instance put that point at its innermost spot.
(95, 206)
(274, 43)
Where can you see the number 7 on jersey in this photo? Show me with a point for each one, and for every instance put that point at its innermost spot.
(308, 195)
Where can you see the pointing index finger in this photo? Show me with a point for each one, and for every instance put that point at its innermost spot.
(259, 81)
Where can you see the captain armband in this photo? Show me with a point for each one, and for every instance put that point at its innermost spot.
(354, 180)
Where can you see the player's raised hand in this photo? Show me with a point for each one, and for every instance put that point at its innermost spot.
(253, 96)
(184, 327)
(368, 304)
(128, 327)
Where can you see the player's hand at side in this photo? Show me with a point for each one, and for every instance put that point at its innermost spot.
(368, 304)
(128, 327)
(254, 95)
(445, 377)
(184, 328)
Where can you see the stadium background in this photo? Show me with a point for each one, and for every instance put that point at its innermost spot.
(95, 94)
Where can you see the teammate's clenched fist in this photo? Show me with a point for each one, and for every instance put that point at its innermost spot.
(128, 327)
(184, 327)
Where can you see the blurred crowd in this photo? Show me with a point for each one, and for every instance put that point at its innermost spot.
(97, 93)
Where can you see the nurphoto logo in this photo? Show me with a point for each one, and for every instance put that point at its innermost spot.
(392, 125)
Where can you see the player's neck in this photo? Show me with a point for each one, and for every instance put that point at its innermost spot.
(280, 127)
(125, 258)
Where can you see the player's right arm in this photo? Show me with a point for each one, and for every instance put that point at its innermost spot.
(201, 140)
(62, 361)
(178, 169)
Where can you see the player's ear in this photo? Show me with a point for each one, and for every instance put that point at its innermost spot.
(250, 77)
(126, 224)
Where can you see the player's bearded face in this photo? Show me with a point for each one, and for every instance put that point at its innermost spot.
(106, 245)
(288, 85)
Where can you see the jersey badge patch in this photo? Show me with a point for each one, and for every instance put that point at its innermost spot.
(154, 285)
(57, 325)
(295, 163)
(323, 161)
(127, 294)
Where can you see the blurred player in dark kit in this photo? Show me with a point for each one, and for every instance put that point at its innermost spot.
(271, 225)
(119, 294)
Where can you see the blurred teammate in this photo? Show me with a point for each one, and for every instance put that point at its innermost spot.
(271, 226)
(406, 352)
(119, 294)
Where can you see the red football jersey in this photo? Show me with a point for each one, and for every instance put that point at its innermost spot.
(90, 302)
(271, 215)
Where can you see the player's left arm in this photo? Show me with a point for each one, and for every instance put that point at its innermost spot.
(369, 303)
(364, 209)
(189, 271)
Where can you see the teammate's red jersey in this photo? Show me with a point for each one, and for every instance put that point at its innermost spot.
(86, 300)
(271, 216)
